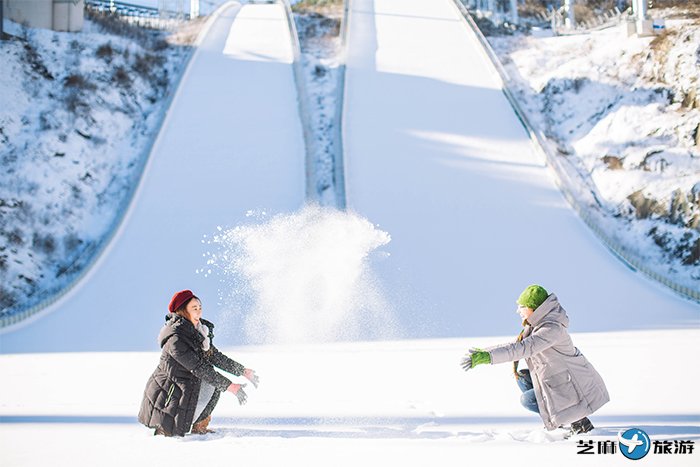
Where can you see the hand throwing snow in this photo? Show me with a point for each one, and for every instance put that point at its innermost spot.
(237, 390)
(474, 358)
(466, 363)
(252, 377)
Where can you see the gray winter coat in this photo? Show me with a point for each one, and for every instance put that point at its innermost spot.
(566, 385)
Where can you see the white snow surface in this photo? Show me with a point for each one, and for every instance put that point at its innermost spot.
(377, 403)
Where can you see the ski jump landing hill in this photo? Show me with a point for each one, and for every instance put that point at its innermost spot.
(434, 155)
(231, 142)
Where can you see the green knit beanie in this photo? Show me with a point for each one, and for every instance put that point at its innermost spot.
(533, 296)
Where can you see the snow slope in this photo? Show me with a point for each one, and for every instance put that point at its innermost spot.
(231, 142)
(436, 157)
(401, 403)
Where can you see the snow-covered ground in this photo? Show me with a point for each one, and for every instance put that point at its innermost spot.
(401, 403)
(625, 112)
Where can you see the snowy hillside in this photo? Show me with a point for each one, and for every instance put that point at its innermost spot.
(625, 112)
(78, 113)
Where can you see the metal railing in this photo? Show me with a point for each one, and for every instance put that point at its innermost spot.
(555, 18)
(142, 16)
(122, 8)
(611, 18)
(575, 189)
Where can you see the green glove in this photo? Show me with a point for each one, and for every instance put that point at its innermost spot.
(479, 357)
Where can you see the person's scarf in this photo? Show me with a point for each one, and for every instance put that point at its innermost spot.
(204, 331)
(519, 339)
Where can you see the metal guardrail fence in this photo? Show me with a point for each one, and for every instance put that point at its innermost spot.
(603, 20)
(142, 16)
(122, 8)
(8, 323)
(556, 17)
(569, 182)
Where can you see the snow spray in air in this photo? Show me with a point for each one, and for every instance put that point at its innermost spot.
(305, 277)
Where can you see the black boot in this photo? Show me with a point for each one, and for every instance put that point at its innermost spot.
(581, 426)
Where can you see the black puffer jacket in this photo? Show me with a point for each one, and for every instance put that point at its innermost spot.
(170, 397)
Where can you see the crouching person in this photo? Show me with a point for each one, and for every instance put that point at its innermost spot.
(184, 389)
(559, 384)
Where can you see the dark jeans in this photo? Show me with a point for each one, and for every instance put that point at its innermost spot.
(527, 398)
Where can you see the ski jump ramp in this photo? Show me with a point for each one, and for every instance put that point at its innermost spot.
(435, 155)
(232, 142)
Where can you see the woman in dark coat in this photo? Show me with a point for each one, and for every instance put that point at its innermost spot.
(182, 392)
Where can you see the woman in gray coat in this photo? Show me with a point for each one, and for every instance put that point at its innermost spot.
(560, 384)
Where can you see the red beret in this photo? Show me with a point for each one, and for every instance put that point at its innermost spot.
(178, 299)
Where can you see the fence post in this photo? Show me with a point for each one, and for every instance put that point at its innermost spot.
(570, 20)
(514, 19)
(2, 32)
